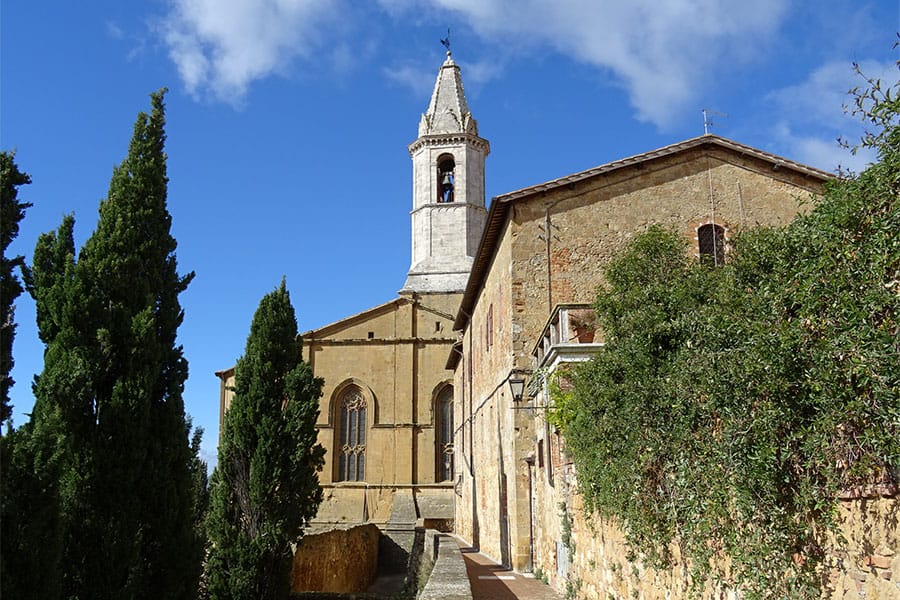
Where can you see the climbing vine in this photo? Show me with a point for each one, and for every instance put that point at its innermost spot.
(731, 405)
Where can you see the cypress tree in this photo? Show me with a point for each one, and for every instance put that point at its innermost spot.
(11, 212)
(30, 541)
(111, 388)
(265, 488)
(33, 456)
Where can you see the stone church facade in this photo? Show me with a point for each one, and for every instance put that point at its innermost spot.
(386, 414)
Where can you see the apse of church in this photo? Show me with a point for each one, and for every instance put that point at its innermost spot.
(386, 417)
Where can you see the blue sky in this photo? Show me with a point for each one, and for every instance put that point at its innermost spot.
(288, 122)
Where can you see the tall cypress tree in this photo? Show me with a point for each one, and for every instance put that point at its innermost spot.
(34, 456)
(11, 212)
(30, 540)
(265, 488)
(112, 387)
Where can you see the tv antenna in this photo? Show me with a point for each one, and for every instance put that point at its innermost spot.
(707, 121)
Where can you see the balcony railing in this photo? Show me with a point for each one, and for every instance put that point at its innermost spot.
(570, 335)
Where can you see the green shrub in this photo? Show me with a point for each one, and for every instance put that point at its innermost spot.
(731, 405)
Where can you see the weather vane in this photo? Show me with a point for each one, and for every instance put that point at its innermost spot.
(446, 41)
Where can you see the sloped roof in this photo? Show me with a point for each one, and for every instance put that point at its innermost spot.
(360, 317)
(497, 215)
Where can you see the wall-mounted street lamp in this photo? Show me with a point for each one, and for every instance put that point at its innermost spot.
(517, 386)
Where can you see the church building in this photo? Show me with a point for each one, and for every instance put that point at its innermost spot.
(386, 414)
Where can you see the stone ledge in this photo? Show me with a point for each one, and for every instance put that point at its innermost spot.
(878, 490)
(449, 579)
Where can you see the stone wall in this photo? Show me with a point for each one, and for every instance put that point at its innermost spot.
(448, 579)
(865, 565)
(341, 560)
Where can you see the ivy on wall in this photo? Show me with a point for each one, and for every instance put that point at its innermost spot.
(731, 405)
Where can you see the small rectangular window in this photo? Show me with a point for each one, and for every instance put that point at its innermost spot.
(371, 335)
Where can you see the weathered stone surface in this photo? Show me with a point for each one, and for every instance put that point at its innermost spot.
(448, 579)
(341, 560)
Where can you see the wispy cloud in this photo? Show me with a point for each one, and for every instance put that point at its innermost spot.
(418, 78)
(221, 46)
(661, 53)
(811, 119)
(114, 31)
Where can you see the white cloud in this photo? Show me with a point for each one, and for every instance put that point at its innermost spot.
(662, 53)
(222, 46)
(824, 153)
(114, 31)
(418, 78)
(822, 95)
(811, 119)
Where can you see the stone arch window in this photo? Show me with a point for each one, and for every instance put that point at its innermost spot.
(443, 433)
(711, 239)
(446, 178)
(351, 435)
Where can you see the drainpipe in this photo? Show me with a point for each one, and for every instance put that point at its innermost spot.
(529, 460)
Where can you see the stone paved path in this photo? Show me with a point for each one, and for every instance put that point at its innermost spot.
(491, 581)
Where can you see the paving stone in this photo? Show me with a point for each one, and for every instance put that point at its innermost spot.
(491, 581)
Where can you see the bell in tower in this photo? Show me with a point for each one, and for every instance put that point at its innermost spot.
(445, 176)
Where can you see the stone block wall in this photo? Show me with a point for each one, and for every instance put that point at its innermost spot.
(448, 579)
(341, 560)
(865, 564)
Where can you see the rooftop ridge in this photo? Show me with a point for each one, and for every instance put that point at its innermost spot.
(665, 151)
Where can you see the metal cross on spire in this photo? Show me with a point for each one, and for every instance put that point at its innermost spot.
(446, 41)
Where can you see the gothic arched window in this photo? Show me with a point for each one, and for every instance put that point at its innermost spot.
(443, 433)
(446, 178)
(711, 238)
(351, 435)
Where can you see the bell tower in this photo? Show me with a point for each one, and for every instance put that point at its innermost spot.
(448, 214)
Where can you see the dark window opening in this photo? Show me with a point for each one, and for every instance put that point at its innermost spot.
(446, 179)
(371, 335)
(711, 239)
(443, 429)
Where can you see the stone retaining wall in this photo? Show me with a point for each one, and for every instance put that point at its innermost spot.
(449, 579)
(865, 564)
(341, 560)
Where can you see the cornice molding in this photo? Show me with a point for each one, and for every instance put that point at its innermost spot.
(448, 139)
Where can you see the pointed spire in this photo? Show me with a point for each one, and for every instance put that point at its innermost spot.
(448, 111)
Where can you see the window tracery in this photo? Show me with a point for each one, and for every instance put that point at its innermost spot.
(352, 436)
